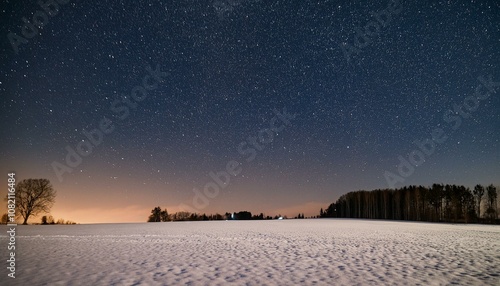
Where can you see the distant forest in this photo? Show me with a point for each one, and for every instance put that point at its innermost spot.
(159, 215)
(439, 203)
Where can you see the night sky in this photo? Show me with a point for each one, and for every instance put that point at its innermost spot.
(345, 102)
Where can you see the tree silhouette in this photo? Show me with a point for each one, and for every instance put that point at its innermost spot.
(243, 215)
(155, 215)
(469, 205)
(450, 203)
(5, 219)
(164, 215)
(34, 196)
(491, 193)
(479, 193)
(159, 215)
(435, 197)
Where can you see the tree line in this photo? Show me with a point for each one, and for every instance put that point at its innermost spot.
(162, 215)
(438, 203)
(46, 220)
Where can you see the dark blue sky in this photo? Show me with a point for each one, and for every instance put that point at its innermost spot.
(229, 66)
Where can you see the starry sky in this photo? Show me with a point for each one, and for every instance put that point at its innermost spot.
(362, 80)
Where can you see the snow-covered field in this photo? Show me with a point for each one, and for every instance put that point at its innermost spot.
(278, 252)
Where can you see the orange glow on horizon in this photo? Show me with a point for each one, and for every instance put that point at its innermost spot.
(136, 214)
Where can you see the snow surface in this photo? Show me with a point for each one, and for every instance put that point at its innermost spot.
(284, 252)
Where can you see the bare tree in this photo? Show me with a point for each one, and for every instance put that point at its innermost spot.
(34, 196)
